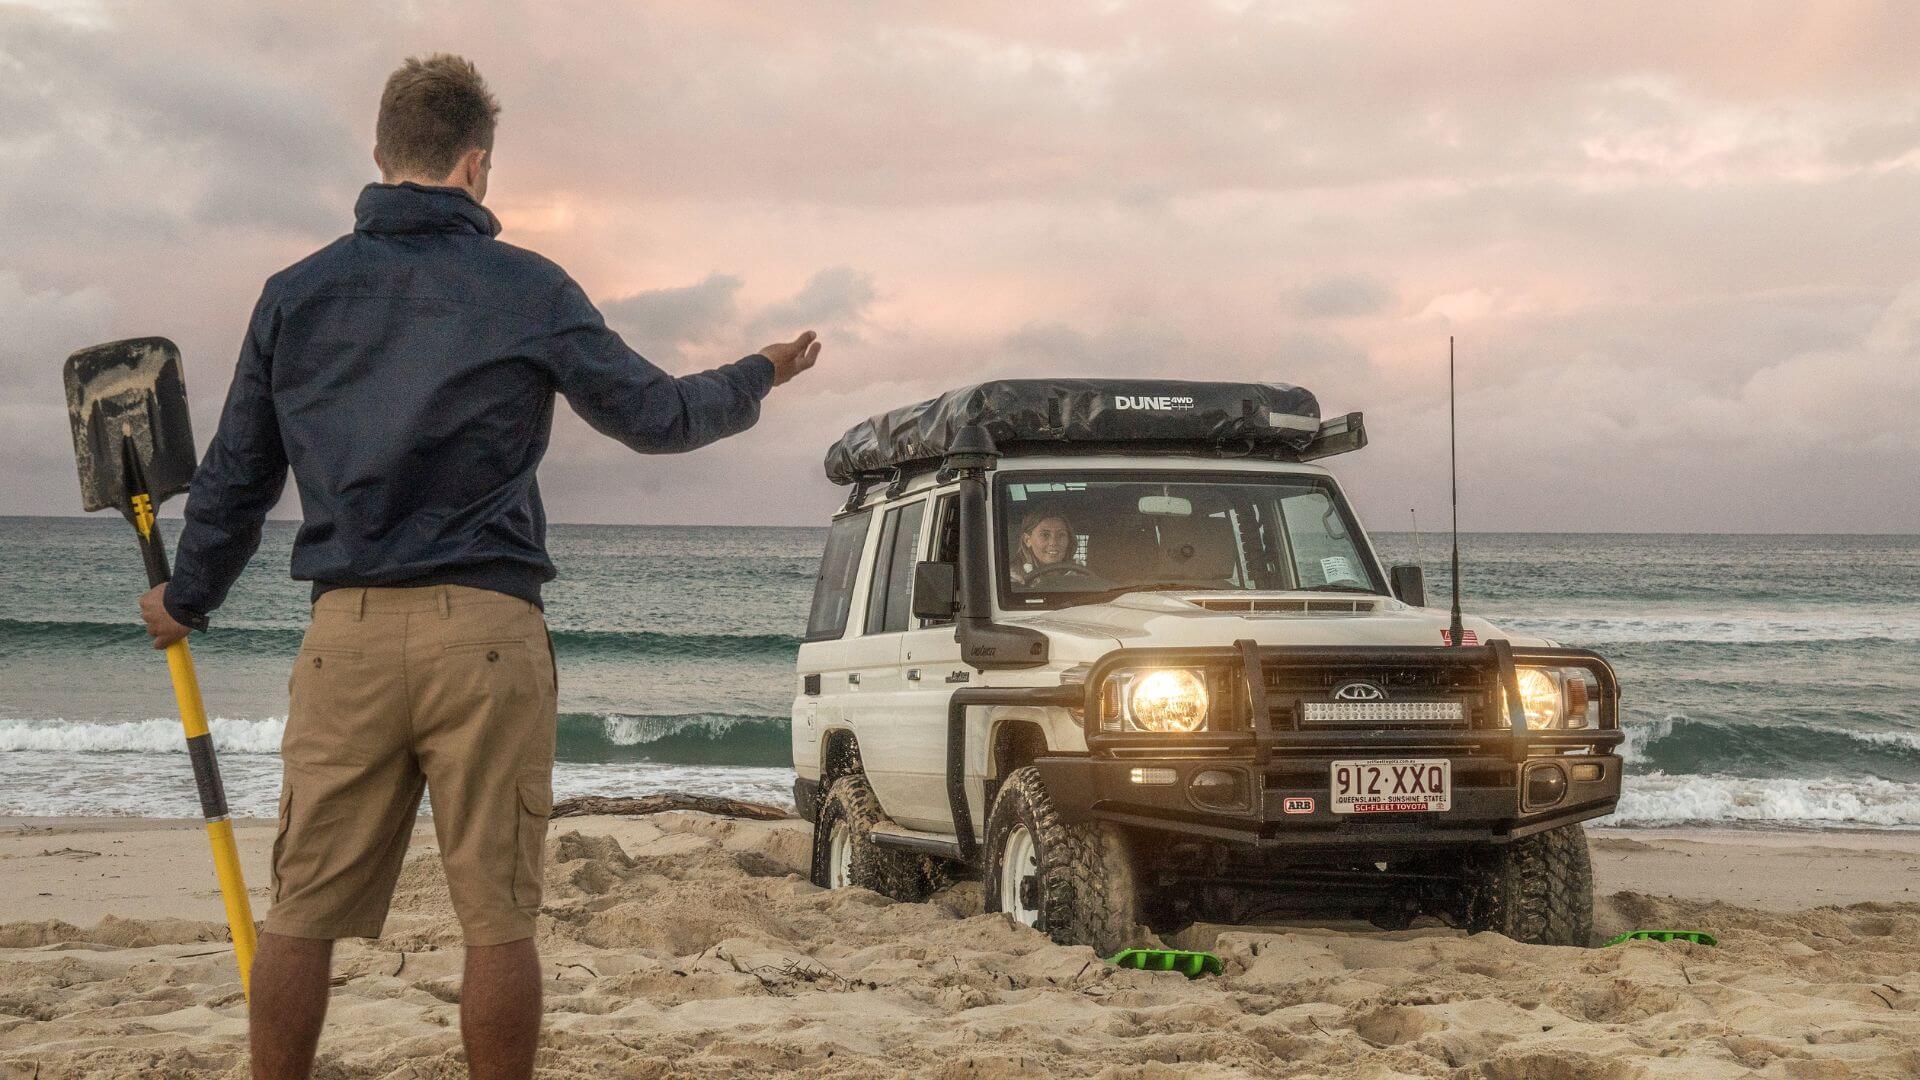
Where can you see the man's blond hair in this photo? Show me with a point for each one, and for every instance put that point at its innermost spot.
(433, 110)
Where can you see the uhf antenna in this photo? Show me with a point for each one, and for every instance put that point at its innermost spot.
(1457, 632)
(1419, 554)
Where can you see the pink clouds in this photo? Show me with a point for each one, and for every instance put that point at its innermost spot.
(1654, 227)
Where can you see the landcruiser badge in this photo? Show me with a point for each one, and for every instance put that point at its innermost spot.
(1358, 690)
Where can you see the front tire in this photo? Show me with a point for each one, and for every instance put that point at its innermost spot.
(1074, 883)
(845, 856)
(1537, 890)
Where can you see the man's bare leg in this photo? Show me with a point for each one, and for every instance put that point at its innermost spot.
(288, 1005)
(500, 1010)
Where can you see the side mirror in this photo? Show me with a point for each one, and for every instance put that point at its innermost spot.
(1409, 584)
(934, 590)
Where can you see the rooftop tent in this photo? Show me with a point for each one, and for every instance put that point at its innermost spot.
(1092, 416)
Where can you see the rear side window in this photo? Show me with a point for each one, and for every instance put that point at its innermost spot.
(891, 599)
(833, 589)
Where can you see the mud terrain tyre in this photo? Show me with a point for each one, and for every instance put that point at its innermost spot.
(848, 815)
(1080, 887)
(1537, 890)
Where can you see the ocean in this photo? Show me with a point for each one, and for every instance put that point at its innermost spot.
(1769, 680)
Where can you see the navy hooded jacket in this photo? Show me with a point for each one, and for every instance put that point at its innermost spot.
(406, 372)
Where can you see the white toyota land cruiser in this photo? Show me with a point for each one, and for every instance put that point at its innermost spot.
(1119, 649)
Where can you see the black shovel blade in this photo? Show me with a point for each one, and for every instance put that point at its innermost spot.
(128, 397)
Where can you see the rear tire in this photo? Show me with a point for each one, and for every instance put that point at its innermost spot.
(1077, 883)
(1537, 890)
(844, 854)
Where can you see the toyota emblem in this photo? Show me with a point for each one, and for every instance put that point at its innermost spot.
(1359, 690)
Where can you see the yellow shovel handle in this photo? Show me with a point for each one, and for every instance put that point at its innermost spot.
(213, 805)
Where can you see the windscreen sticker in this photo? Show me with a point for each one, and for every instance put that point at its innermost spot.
(1336, 568)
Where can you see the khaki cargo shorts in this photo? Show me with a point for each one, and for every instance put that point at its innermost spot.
(443, 688)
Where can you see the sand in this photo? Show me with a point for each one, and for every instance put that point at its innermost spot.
(685, 945)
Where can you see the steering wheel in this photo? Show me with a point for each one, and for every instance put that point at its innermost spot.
(1065, 569)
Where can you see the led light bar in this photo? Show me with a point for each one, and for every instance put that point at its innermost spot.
(1383, 712)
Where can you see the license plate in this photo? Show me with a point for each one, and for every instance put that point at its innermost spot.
(1391, 786)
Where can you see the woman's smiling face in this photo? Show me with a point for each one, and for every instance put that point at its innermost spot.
(1049, 541)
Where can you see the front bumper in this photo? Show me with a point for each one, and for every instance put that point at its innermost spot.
(1280, 795)
(1486, 803)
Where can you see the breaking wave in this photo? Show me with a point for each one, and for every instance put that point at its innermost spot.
(60, 784)
(1680, 744)
(1660, 798)
(681, 739)
(161, 736)
(32, 636)
(585, 738)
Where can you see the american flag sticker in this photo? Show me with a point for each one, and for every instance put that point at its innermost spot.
(1467, 637)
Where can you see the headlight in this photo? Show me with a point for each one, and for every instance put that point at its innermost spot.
(1170, 700)
(1555, 697)
(1540, 698)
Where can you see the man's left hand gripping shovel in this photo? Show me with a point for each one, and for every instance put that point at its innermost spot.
(134, 444)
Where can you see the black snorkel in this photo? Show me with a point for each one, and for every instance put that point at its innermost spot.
(984, 644)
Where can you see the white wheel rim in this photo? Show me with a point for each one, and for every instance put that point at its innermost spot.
(839, 856)
(1019, 862)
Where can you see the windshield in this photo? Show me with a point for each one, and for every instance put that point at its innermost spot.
(1081, 537)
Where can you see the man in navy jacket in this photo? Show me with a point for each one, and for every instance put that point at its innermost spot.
(406, 374)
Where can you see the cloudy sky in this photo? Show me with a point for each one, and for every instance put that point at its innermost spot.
(1676, 243)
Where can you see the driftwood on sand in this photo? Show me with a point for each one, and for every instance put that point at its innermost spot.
(626, 806)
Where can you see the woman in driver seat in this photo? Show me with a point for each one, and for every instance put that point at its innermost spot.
(1046, 541)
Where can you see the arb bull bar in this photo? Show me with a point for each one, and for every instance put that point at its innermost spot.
(1266, 772)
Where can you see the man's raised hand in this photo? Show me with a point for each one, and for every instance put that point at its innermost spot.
(790, 358)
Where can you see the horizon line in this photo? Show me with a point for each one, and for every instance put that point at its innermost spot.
(101, 516)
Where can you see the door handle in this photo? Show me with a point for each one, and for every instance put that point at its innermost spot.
(853, 678)
(913, 674)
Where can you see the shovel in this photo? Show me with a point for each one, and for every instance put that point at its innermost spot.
(134, 444)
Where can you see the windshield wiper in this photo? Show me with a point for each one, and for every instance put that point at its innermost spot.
(1332, 587)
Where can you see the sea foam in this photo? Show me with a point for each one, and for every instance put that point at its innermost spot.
(1660, 799)
(162, 735)
(623, 729)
